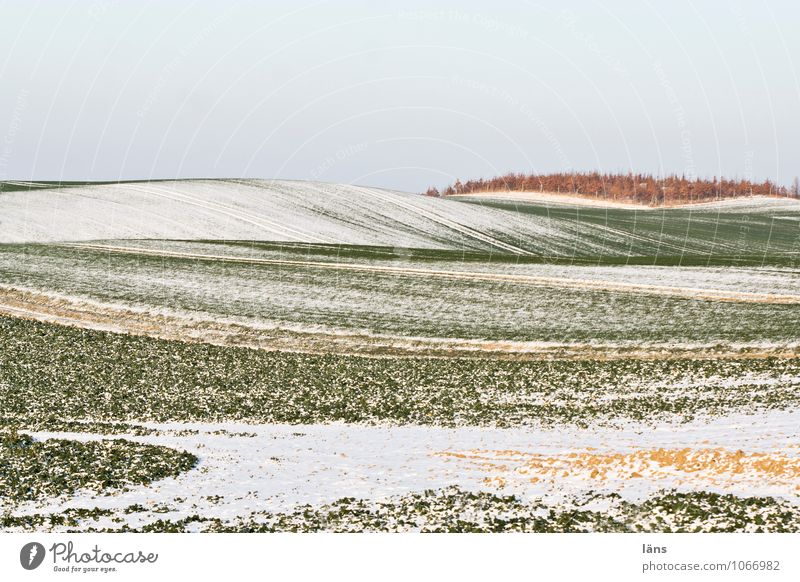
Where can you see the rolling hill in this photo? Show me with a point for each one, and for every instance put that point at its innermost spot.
(322, 267)
(742, 231)
(408, 344)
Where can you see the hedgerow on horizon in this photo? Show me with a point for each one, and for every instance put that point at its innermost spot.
(640, 188)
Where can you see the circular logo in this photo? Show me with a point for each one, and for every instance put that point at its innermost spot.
(31, 555)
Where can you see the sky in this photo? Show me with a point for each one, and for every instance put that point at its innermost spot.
(401, 95)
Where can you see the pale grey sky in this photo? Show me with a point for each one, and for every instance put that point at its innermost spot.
(401, 95)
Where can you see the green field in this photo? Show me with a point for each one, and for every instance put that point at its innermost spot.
(31, 470)
(522, 367)
(296, 291)
(52, 376)
(668, 236)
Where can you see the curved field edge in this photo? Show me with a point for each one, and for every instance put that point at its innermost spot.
(197, 328)
(31, 470)
(369, 308)
(53, 375)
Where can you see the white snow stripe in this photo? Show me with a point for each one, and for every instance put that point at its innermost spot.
(572, 283)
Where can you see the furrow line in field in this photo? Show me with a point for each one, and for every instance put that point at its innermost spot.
(205, 328)
(562, 282)
(247, 217)
(463, 229)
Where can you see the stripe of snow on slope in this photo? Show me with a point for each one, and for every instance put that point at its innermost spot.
(282, 230)
(744, 203)
(771, 280)
(451, 224)
(566, 282)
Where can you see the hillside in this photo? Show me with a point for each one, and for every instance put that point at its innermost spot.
(335, 266)
(308, 212)
(284, 338)
(741, 231)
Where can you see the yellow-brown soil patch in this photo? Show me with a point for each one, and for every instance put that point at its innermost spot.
(685, 465)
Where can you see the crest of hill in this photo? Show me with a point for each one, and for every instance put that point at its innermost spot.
(267, 210)
(530, 224)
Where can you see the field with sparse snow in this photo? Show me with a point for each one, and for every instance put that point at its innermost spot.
(251, 355)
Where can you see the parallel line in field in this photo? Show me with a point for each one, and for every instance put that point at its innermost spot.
(38, 315)
(185, 327)
(256, 220)
(299, 235)
(463, 229)
(563, 282)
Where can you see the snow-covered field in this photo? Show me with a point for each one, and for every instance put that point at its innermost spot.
(537, 351)
(749, 203)
(313, 212)
(253, 210)
(247, 469)
(553, 198)
(248, 290)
